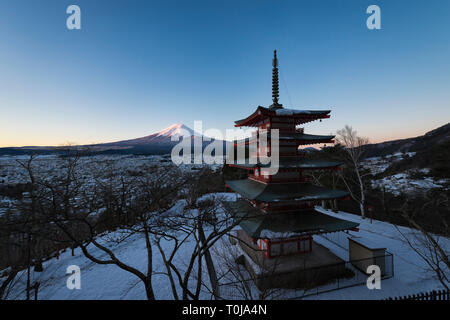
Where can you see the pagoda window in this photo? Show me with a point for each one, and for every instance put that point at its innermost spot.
(276, 249)
(291, 247)
(284, 247)
(262, 244)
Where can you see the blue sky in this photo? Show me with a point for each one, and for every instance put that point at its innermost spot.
(139, 66)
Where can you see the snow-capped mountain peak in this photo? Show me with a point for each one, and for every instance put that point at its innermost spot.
(177, 129)
(164, 138)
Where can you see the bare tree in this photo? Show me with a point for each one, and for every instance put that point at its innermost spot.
(29, 224)
(96, 205)
(243, 278)
(79, 209)
(355, 154)
(22, 231)
(428, 246)
(8, 279)
(236, 280)
(201, 224)
(317, 176)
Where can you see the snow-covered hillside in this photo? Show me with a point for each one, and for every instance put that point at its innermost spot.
(109, 282)
(409, 181)
(411, 274)
(12, 173)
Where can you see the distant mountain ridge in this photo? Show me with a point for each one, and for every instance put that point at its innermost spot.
(416, 144)
(156, 143)
(431, 151)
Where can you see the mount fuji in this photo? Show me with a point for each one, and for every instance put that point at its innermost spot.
(160, 142)
(157, 143)
(163, 137)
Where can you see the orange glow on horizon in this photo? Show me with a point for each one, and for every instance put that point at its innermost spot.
(25, 141)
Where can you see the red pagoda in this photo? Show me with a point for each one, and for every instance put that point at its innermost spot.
(276, 211)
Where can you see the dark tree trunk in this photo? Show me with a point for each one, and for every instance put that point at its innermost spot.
(149, 291)
(28, 267)
(209, 263)
(6, 283)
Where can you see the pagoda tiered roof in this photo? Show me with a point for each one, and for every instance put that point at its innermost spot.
(301, 138)
(260, 225)
(297, 116)
(275, 192)
(291, 163)
(280, 204)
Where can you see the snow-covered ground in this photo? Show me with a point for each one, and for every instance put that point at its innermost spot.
(12, 172)
(401, 182)
(379, 164)
(411, 275)
(50, 166)
(108, 281)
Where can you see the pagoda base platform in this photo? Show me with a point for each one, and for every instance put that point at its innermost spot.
(305, 271)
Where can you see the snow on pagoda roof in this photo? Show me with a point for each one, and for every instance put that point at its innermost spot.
(300, 116)
(275, 192)
(302, 137)
(260, 225)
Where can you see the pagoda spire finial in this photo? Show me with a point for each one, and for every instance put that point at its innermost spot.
(275, 87)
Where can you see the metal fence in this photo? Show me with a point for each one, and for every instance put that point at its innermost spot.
(313, 281)
(431, 295)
